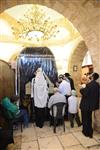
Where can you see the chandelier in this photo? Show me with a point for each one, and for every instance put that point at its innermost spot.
(35, 25)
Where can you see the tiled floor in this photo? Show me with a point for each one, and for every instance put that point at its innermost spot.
(34, 138)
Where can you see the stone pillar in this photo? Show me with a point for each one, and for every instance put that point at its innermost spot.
(97, 112)
(95, 53)
(97, 120)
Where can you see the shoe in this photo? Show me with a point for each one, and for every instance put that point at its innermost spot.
(40, 126)
(72, 126)
(85, 134)
(37, 125)
(15, 127)
(91, 136)
(79, 124)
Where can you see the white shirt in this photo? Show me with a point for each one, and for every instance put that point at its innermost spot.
(72, 104)
(65, 88)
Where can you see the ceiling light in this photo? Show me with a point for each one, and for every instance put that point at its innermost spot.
(35, 25)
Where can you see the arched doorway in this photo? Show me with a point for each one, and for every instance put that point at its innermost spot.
(29, 60)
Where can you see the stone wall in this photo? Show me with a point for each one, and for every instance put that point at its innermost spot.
(76, 61)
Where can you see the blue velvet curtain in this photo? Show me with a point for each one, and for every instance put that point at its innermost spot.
(28, 64)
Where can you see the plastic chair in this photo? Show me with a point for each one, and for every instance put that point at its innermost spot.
(58, 111)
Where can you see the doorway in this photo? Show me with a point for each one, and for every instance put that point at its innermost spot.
(29, 60)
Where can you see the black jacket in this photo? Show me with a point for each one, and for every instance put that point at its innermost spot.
(90, 96)
(71, 83)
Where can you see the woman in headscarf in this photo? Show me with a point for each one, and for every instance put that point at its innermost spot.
(40, 97)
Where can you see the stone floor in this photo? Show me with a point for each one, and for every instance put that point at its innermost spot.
(34, 138)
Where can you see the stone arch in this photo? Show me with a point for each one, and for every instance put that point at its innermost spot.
(76, 60)
(35, 57)
(79, 13)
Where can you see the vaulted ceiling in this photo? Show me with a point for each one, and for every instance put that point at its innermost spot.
(62, 30)
(36, 25)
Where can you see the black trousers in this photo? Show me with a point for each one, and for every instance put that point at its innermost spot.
(87, 123)
(72, 117)
(39, 116)
(66, 108)
(32, 108)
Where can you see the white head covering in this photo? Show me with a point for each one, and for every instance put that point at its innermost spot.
(39, 79)
(40, 89)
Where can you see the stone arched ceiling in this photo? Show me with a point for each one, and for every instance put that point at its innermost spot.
(65, 41)
(83, 14)
(56, 29)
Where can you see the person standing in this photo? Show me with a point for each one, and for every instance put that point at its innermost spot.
(89, 103)
(73, 109)
(32, 117)
(65, 89)
(68, 77)
(64, 86)
(40, 97)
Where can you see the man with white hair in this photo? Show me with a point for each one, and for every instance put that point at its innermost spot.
(56, 98)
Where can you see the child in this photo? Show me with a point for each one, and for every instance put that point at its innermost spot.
(73, 109)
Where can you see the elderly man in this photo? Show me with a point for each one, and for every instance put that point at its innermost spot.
(56, 98)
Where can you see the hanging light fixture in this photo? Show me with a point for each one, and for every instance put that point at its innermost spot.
(35, 25)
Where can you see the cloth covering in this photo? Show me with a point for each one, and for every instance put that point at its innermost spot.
(40, 90)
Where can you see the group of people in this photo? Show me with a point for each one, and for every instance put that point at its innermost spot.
(64, 91)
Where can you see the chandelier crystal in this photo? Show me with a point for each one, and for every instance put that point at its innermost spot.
(35, 25)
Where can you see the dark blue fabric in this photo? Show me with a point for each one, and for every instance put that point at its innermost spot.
(31, 60)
